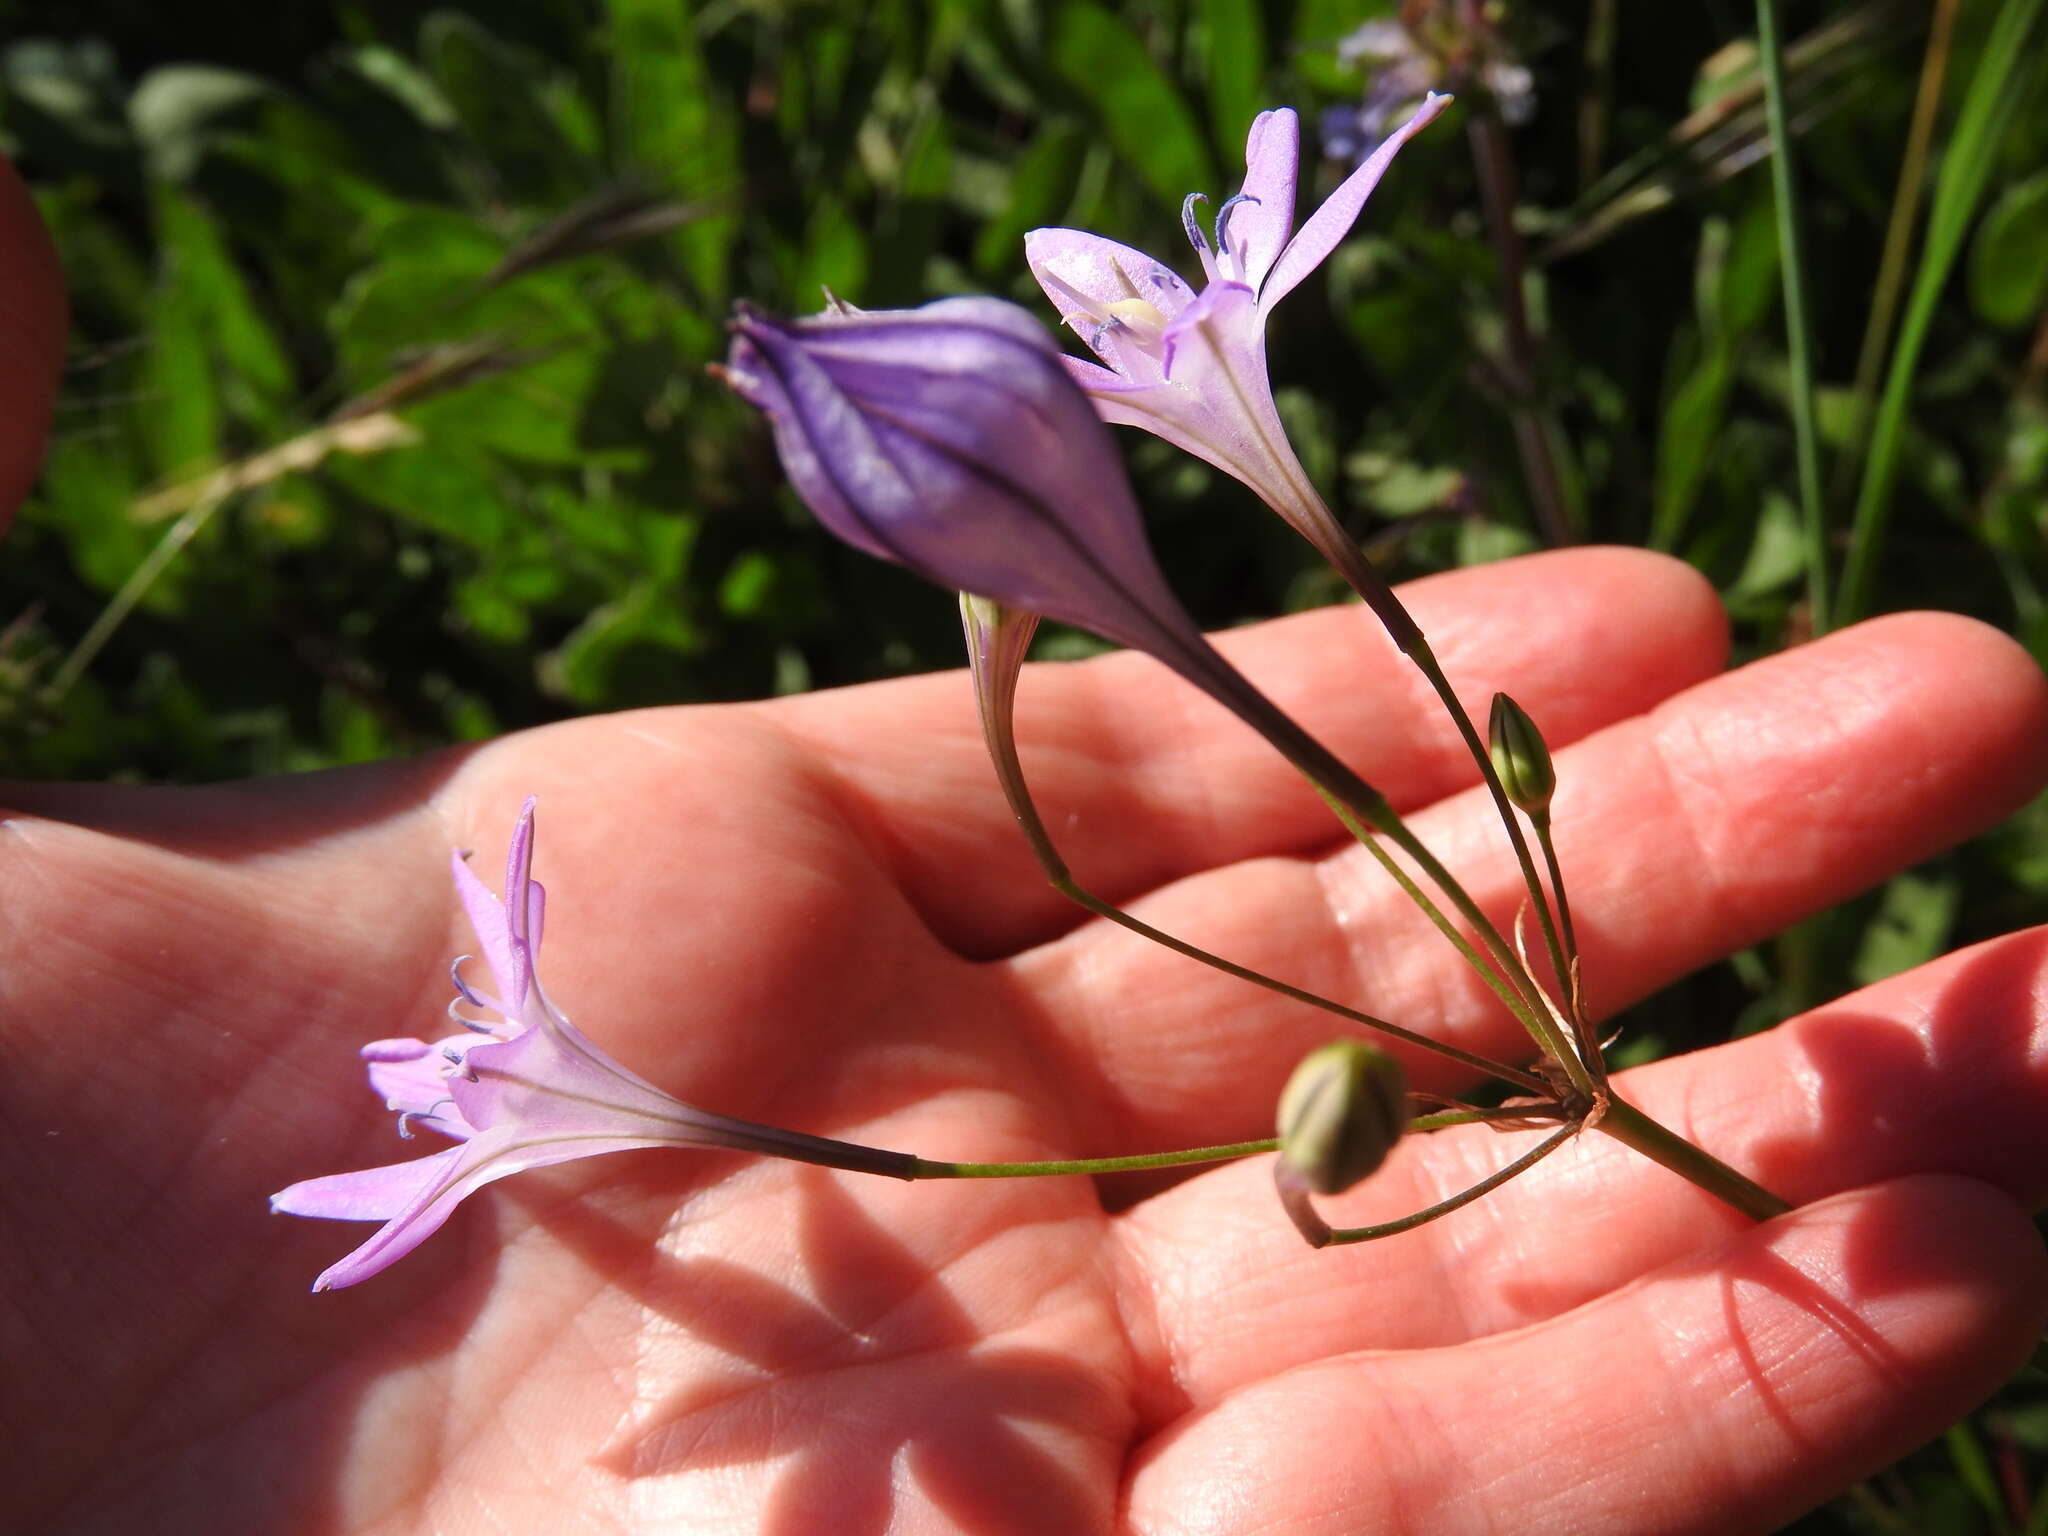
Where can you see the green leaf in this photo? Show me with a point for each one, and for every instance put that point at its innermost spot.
(1142, 112)
(835, 256)
(1041, 183)
(671, 123)
(623, 652)
(498, 93)
(1911, 927)
(1235, 38)
(255, 376)
(1686, 435)
(2009, 261)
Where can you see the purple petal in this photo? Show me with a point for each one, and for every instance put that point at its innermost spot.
(493, 933)
(951, 440)
(1085, 275)
(419, 1088)
(369, 1194)
(1102, 271)
(1330, 223)
(395, 1050)
(446, 1180)
(1258, 230)
(552, 1080)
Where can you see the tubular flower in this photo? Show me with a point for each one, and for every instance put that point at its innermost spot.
(951, 439)
(1191, 367)
(520, 1090)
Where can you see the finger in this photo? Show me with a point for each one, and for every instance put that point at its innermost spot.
(1715, 819)
(32, 324)
(1937, 1071)
(1142, 780)
(1723, 1393)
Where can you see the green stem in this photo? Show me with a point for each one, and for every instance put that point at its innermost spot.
(922, 1168)
(1898, 242)
(1798, 329)
(1632, 1128)
(1426, 662)
(1588, 1036)
(1508, 988)
(1066, 886)
(1002, 746)
(1485, 1186)
(1529, 416)
(1988, 106)
(925, 1168)
(1313, 517)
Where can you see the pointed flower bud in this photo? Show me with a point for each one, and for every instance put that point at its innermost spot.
(1520, 757)
(950, 439)
(1341, 1113)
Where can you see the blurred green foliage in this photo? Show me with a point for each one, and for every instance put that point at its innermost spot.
(386, 422)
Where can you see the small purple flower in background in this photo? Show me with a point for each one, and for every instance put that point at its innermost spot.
(1463, 50)
(1191, 368)
(522, 1090)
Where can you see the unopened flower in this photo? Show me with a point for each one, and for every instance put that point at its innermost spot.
(1191, 367)
(950, 439)
(1521, 757)
(1341, 1113)
(520, 1090)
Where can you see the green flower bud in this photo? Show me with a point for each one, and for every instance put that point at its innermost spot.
(1341, 1113)
(1520, 757)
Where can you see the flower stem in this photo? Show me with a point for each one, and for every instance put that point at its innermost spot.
(1000, 737)
(1632, 1128)
(923, 1168)
(1312, 1226)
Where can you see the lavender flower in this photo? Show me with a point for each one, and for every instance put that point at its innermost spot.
(1190, 367)
(522, 1090)
(950, 439)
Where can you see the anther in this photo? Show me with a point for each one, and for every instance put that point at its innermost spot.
(1223, 227)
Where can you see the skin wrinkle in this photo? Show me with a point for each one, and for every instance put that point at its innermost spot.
(1686, 807)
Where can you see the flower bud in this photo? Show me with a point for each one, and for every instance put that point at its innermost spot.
(1520, 757)
(1341, 1113)
(950, 439)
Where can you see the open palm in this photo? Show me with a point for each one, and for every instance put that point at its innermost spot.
(815, 913)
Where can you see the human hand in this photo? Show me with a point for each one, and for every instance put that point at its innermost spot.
(815, 913)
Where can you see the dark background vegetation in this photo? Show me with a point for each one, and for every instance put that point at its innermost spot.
(386, 424)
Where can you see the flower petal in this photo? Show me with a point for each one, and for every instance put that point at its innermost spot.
(368, 1194)
(444, 1181)
(1259, 226)
(493, 932)
(1086, 277)
(1330, 223)
(419, 1088)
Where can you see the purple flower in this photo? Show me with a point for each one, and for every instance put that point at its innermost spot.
(521, 1090)
(950, 439)
(1191, 367)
